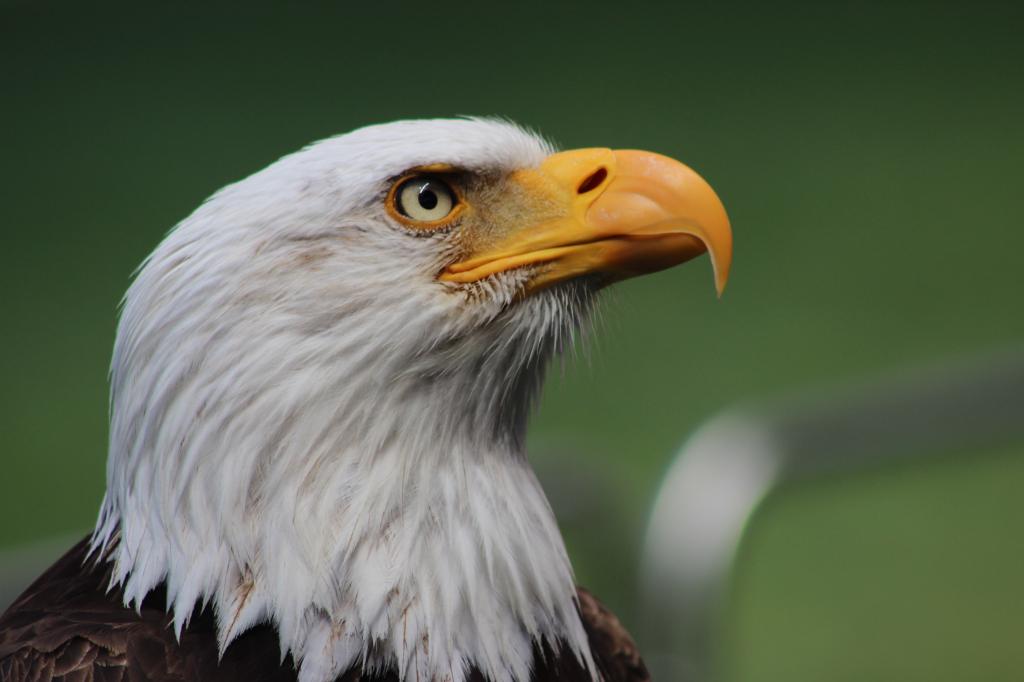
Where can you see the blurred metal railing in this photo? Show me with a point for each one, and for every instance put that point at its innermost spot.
(722, 474)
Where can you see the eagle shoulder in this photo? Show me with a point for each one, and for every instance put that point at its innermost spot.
(67, 627)
(614, 650)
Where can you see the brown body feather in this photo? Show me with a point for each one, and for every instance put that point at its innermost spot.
(67, 627)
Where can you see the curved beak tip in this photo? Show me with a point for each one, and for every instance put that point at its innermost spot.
(719, 286)
(721, 265)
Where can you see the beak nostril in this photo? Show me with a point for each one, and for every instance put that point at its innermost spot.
(593, 181)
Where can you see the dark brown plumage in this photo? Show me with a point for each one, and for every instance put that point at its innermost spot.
(67, 628)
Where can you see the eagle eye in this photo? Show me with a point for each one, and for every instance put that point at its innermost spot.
(423, 199)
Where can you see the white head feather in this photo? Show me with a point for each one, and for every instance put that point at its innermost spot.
(309, 429)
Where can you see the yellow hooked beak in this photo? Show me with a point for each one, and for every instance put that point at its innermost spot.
(614, 213)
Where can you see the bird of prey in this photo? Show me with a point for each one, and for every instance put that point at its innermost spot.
(320, 390)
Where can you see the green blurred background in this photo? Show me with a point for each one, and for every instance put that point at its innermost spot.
(870, 157)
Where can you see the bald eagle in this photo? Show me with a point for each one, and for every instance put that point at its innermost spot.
(319, 397)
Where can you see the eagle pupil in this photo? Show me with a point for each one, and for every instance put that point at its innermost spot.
(428, 199)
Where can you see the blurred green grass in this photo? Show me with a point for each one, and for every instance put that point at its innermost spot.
(869, 156)
(911, 573)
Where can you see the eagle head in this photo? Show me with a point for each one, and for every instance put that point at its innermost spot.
(321, 382)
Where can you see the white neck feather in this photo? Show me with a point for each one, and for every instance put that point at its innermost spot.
(377, 507)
